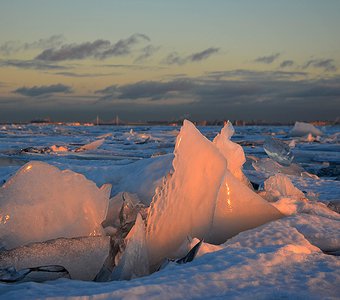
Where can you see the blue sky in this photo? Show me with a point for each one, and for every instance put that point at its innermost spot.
(148, 60)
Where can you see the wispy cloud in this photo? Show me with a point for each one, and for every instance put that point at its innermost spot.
(175, 59)
(44, 90)
(287, 63)
(146, 53)
(251, 75)
(84, 75)
(267, 59)
(99, 49)
(31, 64)
(203, 54)
(327, 64)
(153, 90)
(132, 67)
(11, 47)
(123, 46)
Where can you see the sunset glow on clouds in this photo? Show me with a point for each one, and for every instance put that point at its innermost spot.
(147, 60)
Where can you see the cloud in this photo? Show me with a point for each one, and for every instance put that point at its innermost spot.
(153, 90)
(267, 59)
(99, 49)
(31, 64)
(287, 63)
(123, 46)
(131, 67)
(203, 54)
(146, 53)
(37, 91)
(11, 47)
(204, 98)
(251, 75)
(326, 64)
(211, 94)
(175, 59)
(84, 75)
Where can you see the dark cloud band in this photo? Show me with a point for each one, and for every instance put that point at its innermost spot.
(37, 91)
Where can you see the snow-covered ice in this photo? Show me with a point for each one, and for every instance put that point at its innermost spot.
(291, 257)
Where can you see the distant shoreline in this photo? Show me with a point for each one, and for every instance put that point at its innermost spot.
(172, 123)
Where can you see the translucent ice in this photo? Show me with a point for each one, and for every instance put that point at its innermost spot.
(238, 208)
(91, 146)
(201, 199)
(40, 202)
(134, 261)
(81, 257)
(185, 205)
(279, 186)
(303, 129)
(232, 152)
(278, 150)
(271, 167)
(38, 274)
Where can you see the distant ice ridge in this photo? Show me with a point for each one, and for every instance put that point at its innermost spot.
(202, 198)
(304, 129)
(40, 203)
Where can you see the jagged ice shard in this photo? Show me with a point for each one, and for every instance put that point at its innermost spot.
(231, 151)
(201, 199)
(41, 202)
(278, 151)
(134, 262)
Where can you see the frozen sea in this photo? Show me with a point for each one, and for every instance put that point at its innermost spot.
(287, 258)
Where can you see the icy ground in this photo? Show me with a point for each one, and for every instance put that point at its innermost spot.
(286, 258)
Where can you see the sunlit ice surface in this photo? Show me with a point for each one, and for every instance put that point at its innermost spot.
(264, 250)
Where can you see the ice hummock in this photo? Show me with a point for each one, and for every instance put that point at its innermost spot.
(304, 129)
(201, 199)
(41, 202)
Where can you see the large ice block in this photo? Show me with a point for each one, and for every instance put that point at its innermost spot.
(41, 202)
(201, 199)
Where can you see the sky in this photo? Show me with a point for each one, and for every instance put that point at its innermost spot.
(167, 60)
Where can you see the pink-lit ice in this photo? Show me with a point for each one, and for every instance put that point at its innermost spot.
(232, 152)
(201, 199)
